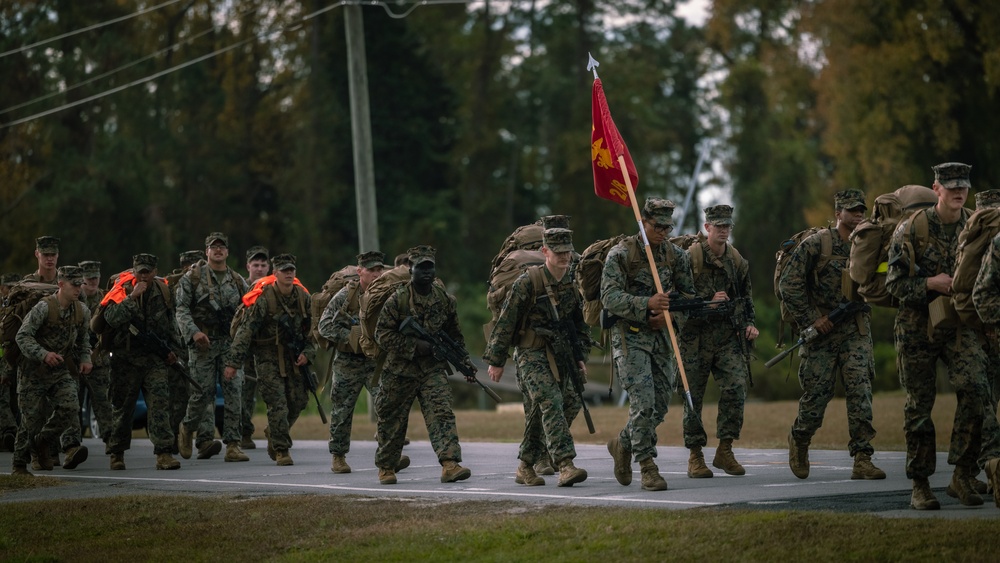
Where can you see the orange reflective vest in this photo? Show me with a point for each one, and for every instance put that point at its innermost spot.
(258, 288)
(117, 293)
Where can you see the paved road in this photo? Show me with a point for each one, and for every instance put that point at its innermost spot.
(768, 485)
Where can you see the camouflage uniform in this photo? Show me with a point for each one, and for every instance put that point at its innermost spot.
(542, 345)
(809, 294)
(986, 296)
(406, 376)
(249, 392)
(352, 368)
(209, 308)
(918, 347)
(644, 357)
(40, 382)
(98, 381)
(135, 367)
(711, 345)
(8, 381)
(279, 380)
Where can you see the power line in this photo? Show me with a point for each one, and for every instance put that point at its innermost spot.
(88, 28)
(216, 53)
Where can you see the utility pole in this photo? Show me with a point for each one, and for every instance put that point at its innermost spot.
(361, 132)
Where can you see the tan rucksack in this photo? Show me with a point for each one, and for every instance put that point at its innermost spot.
(502, 278)
(322, 298)
(527, 237)
(591, 268)
(22, 298)
(973, 244)
(781, 260)
(870, 240)
(372, 302)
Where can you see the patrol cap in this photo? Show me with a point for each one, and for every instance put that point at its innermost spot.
(10, 279)
(371, 259)
(257, 252)
(189, 257)
(849, 199)
(144, 262)
(213, 238)
(283, 262)
(421, 253)
(658, 210)
(719, 215)
(987, 199)
(558, 240)
(90, 268)
(47, 244)
(71, 274)
(952, 175)
(555, 221)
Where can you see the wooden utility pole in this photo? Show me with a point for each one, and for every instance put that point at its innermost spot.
(361, 131)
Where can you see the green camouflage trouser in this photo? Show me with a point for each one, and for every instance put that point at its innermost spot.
(846, 352)
(546, 425)
(649, 380)
(392, 405)
(713, 350)
(285, 396)
(205, 367)
(36, 387)
(130, 372)
(351, 373)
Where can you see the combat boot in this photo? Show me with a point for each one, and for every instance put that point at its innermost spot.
(526, 475)
(234, 453)
(725, 460)
(979, 486)
(403, 463)
(651, 479)
(75, 456)
(184, 440)
(544, 467)
(21, 470)
(271, 453)
(864, 468)
(42, 451)
(993, 476)
(247, 443)
(961, 487)
(8, 441)
(34, 463)
(167, 461)
(922, 497)
(798, 457)
(283, 458)
(339, 465)
(209, 449)
(696, 465)
(570, 474)
(623, 461)
(451, 471)
(118, 462)
(386, 476)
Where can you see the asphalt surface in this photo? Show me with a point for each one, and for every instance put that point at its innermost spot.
(768, 484)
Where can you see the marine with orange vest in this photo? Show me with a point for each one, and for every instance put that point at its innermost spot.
(276, 316)
(139, 313)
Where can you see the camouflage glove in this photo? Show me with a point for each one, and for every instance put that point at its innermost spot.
(423, 348)
(467, 362)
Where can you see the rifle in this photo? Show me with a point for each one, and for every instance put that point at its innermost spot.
(569, 332)
(295, 341)
(159, 346)
(694, 307)
(843, 311)
(446, 348)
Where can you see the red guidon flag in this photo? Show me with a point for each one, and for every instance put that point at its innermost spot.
(606, 145)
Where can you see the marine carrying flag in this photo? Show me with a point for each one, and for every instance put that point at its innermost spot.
(606, 145)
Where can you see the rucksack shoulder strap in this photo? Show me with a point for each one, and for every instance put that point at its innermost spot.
(825, 248)
(697, 254)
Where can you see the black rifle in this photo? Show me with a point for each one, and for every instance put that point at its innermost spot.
(568, 329)
(446, 348)
(153, 342)
(694, 308)
(843, 312)
(295, 342)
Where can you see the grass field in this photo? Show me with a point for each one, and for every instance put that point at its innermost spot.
(324, 528)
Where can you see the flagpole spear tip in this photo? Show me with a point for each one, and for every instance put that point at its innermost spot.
(592, 64)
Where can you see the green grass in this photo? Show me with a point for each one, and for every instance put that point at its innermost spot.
(325, 528)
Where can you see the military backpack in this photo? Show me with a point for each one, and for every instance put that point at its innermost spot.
(320, 299)
(973, 243)
(22, 298)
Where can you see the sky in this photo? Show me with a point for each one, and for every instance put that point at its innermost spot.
(694, 11)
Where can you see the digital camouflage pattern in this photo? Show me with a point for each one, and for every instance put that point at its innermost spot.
(844, 351)
(278, 379)
(39, 383)
(711, 345)
(98, 381)
(134, 366)
(986, 296)
(209, 308)
(545, 394)
(352, 370)
(406, 376)
(974, 432)
(644, 358)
